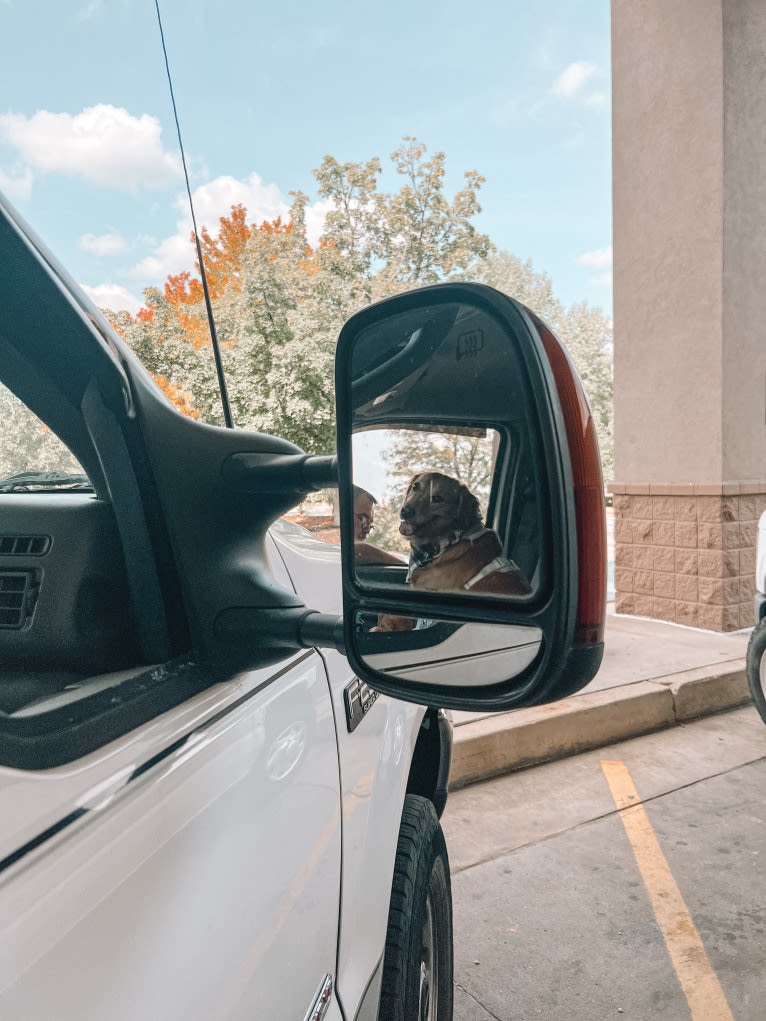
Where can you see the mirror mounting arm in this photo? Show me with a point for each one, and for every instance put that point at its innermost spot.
(282, 627)
(280, 473)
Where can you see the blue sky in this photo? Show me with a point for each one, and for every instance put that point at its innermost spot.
(88, 151)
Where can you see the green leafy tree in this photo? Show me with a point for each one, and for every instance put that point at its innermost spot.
(27, 443)
(280, 302)
(584, 330)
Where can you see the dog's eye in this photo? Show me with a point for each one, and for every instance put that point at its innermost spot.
(437, 499)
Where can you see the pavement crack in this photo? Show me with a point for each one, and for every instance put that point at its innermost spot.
(488, 859)
(477, 1001)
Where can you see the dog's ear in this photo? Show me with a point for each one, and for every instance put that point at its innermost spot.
(469, 513)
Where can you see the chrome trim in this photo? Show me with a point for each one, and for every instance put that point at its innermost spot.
(322, 1000)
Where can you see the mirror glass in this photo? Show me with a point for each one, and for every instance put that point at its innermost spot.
(443, 465)
(442, 652)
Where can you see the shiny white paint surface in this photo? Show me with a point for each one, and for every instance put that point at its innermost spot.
(210, 886)
(206, 888)
(374, 766)
(314, 566)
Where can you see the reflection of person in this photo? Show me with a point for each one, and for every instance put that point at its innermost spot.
(364, 522)
(364, 515)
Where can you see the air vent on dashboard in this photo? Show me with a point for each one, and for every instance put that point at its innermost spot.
(24, 545)
(18, 591)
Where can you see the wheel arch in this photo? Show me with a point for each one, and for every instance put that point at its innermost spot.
(430, 766)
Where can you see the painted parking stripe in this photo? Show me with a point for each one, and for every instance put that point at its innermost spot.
(695, 973)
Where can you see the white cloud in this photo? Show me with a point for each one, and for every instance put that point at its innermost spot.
(599, 258)
(17, 185)
(103, 144)
(89, 11)
(113, 296)
(103, 244)
(315, 217)
(211, 201)
(572, 78)
(597, 100)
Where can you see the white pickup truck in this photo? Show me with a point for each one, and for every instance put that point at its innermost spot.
(220, 782)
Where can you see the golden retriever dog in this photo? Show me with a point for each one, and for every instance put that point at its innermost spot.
(450, 548)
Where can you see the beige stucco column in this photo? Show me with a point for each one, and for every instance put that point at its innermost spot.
(689, 148)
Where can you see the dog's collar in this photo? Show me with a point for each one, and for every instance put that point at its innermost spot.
(422, 555)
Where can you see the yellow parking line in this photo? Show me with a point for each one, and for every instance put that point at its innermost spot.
(695, 973)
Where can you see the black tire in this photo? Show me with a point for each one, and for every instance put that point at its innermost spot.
(756, 668)
(417, 967)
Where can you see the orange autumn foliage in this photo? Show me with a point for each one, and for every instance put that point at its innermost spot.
(223, 262)
(183, 290)
(223, 255)
(176, 397)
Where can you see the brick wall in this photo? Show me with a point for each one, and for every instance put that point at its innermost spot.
(687, 553)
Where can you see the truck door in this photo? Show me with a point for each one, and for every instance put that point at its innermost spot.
(190, 869)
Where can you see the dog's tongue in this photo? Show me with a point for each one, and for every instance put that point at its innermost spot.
(406, 528)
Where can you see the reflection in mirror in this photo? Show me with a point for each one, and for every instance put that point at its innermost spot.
(442, 652)
(442, 462)
(436, 526)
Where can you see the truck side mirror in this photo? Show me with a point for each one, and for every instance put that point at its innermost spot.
(489, 591)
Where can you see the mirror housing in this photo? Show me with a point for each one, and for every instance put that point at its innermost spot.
(524, 624)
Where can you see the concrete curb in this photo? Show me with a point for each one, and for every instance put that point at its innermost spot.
(511, 741)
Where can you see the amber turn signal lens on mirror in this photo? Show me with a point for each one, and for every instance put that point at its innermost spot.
(588, 491)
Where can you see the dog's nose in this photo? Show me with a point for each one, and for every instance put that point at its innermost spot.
(407, 512)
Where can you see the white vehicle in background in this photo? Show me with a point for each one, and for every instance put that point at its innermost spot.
(756, 649)
(220, 787)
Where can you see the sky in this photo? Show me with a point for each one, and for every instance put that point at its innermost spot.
(519, 92)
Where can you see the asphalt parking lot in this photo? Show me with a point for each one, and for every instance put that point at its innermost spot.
(624, 882)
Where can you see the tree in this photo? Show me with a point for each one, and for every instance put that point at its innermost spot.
(280, 303)
(587, 335)
(584, 330)
(27, 443)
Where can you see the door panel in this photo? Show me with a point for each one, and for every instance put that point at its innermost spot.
(206, 886)
(374, 766)
(375, 761)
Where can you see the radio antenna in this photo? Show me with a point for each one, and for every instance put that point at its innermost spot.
(205, 289)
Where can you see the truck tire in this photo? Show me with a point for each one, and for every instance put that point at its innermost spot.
(756, 668)
(417, 967)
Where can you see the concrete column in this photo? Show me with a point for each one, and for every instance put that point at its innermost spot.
(689, 149)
